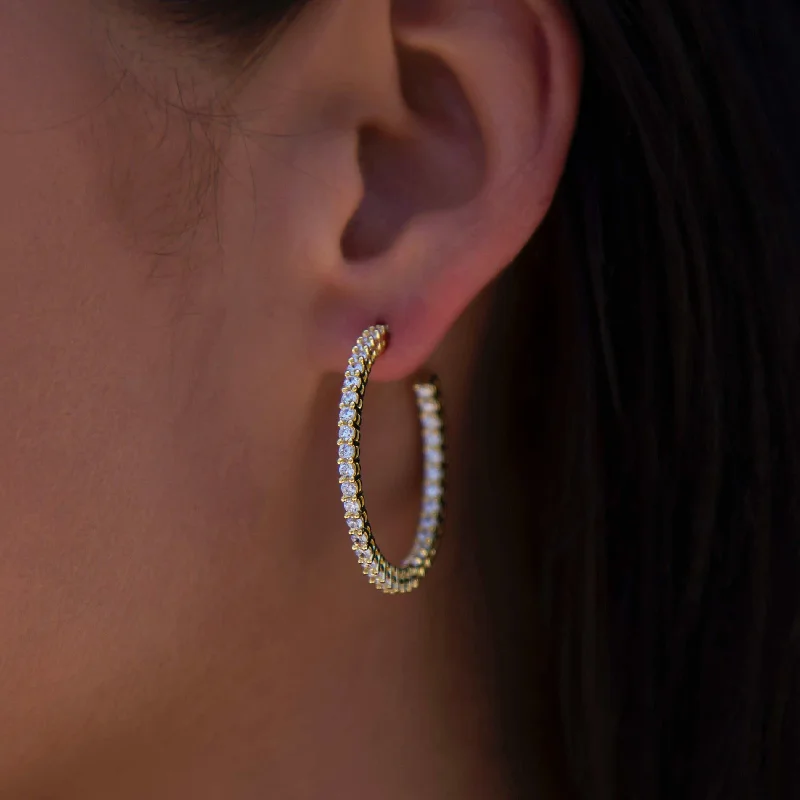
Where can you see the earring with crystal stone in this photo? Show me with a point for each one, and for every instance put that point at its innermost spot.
(387, 577)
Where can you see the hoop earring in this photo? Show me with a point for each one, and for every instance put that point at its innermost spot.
(385, 576)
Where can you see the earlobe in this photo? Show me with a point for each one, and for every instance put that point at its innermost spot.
(456, 188)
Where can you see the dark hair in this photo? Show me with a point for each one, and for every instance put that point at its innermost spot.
(651, 420)
(638, 490)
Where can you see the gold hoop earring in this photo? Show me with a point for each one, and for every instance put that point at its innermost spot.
(386, 577)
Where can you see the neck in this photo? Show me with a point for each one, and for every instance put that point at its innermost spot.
(399, 702)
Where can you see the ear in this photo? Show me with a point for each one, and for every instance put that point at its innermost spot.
(462, 113)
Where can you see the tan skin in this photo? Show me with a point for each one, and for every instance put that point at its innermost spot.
(180, 284)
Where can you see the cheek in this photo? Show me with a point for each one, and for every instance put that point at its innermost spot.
(102, 203)
(84, 333)
(93, 497)
(136, 372)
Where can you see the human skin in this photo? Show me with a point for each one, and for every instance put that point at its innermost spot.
(181, 280)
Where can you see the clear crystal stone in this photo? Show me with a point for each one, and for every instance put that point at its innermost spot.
(347, 451)
(359, 540)
(352, 507)
(424, 540)
(428, 524)
(433, 439)
(427, 391)
(430, 508)
(347, 415)
(433, 490)
(347, 470)
(349, 489)
(364, 556)
(346, 433)
(434, 473)
(355, 524)
(433, 456)
(374, 567)
(356, 368)
(429, 407)
(431, 422)
(349, 398)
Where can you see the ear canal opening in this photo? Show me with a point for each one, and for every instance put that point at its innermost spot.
(441, 165)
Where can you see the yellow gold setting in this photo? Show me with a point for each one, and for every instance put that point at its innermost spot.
(388, 578)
